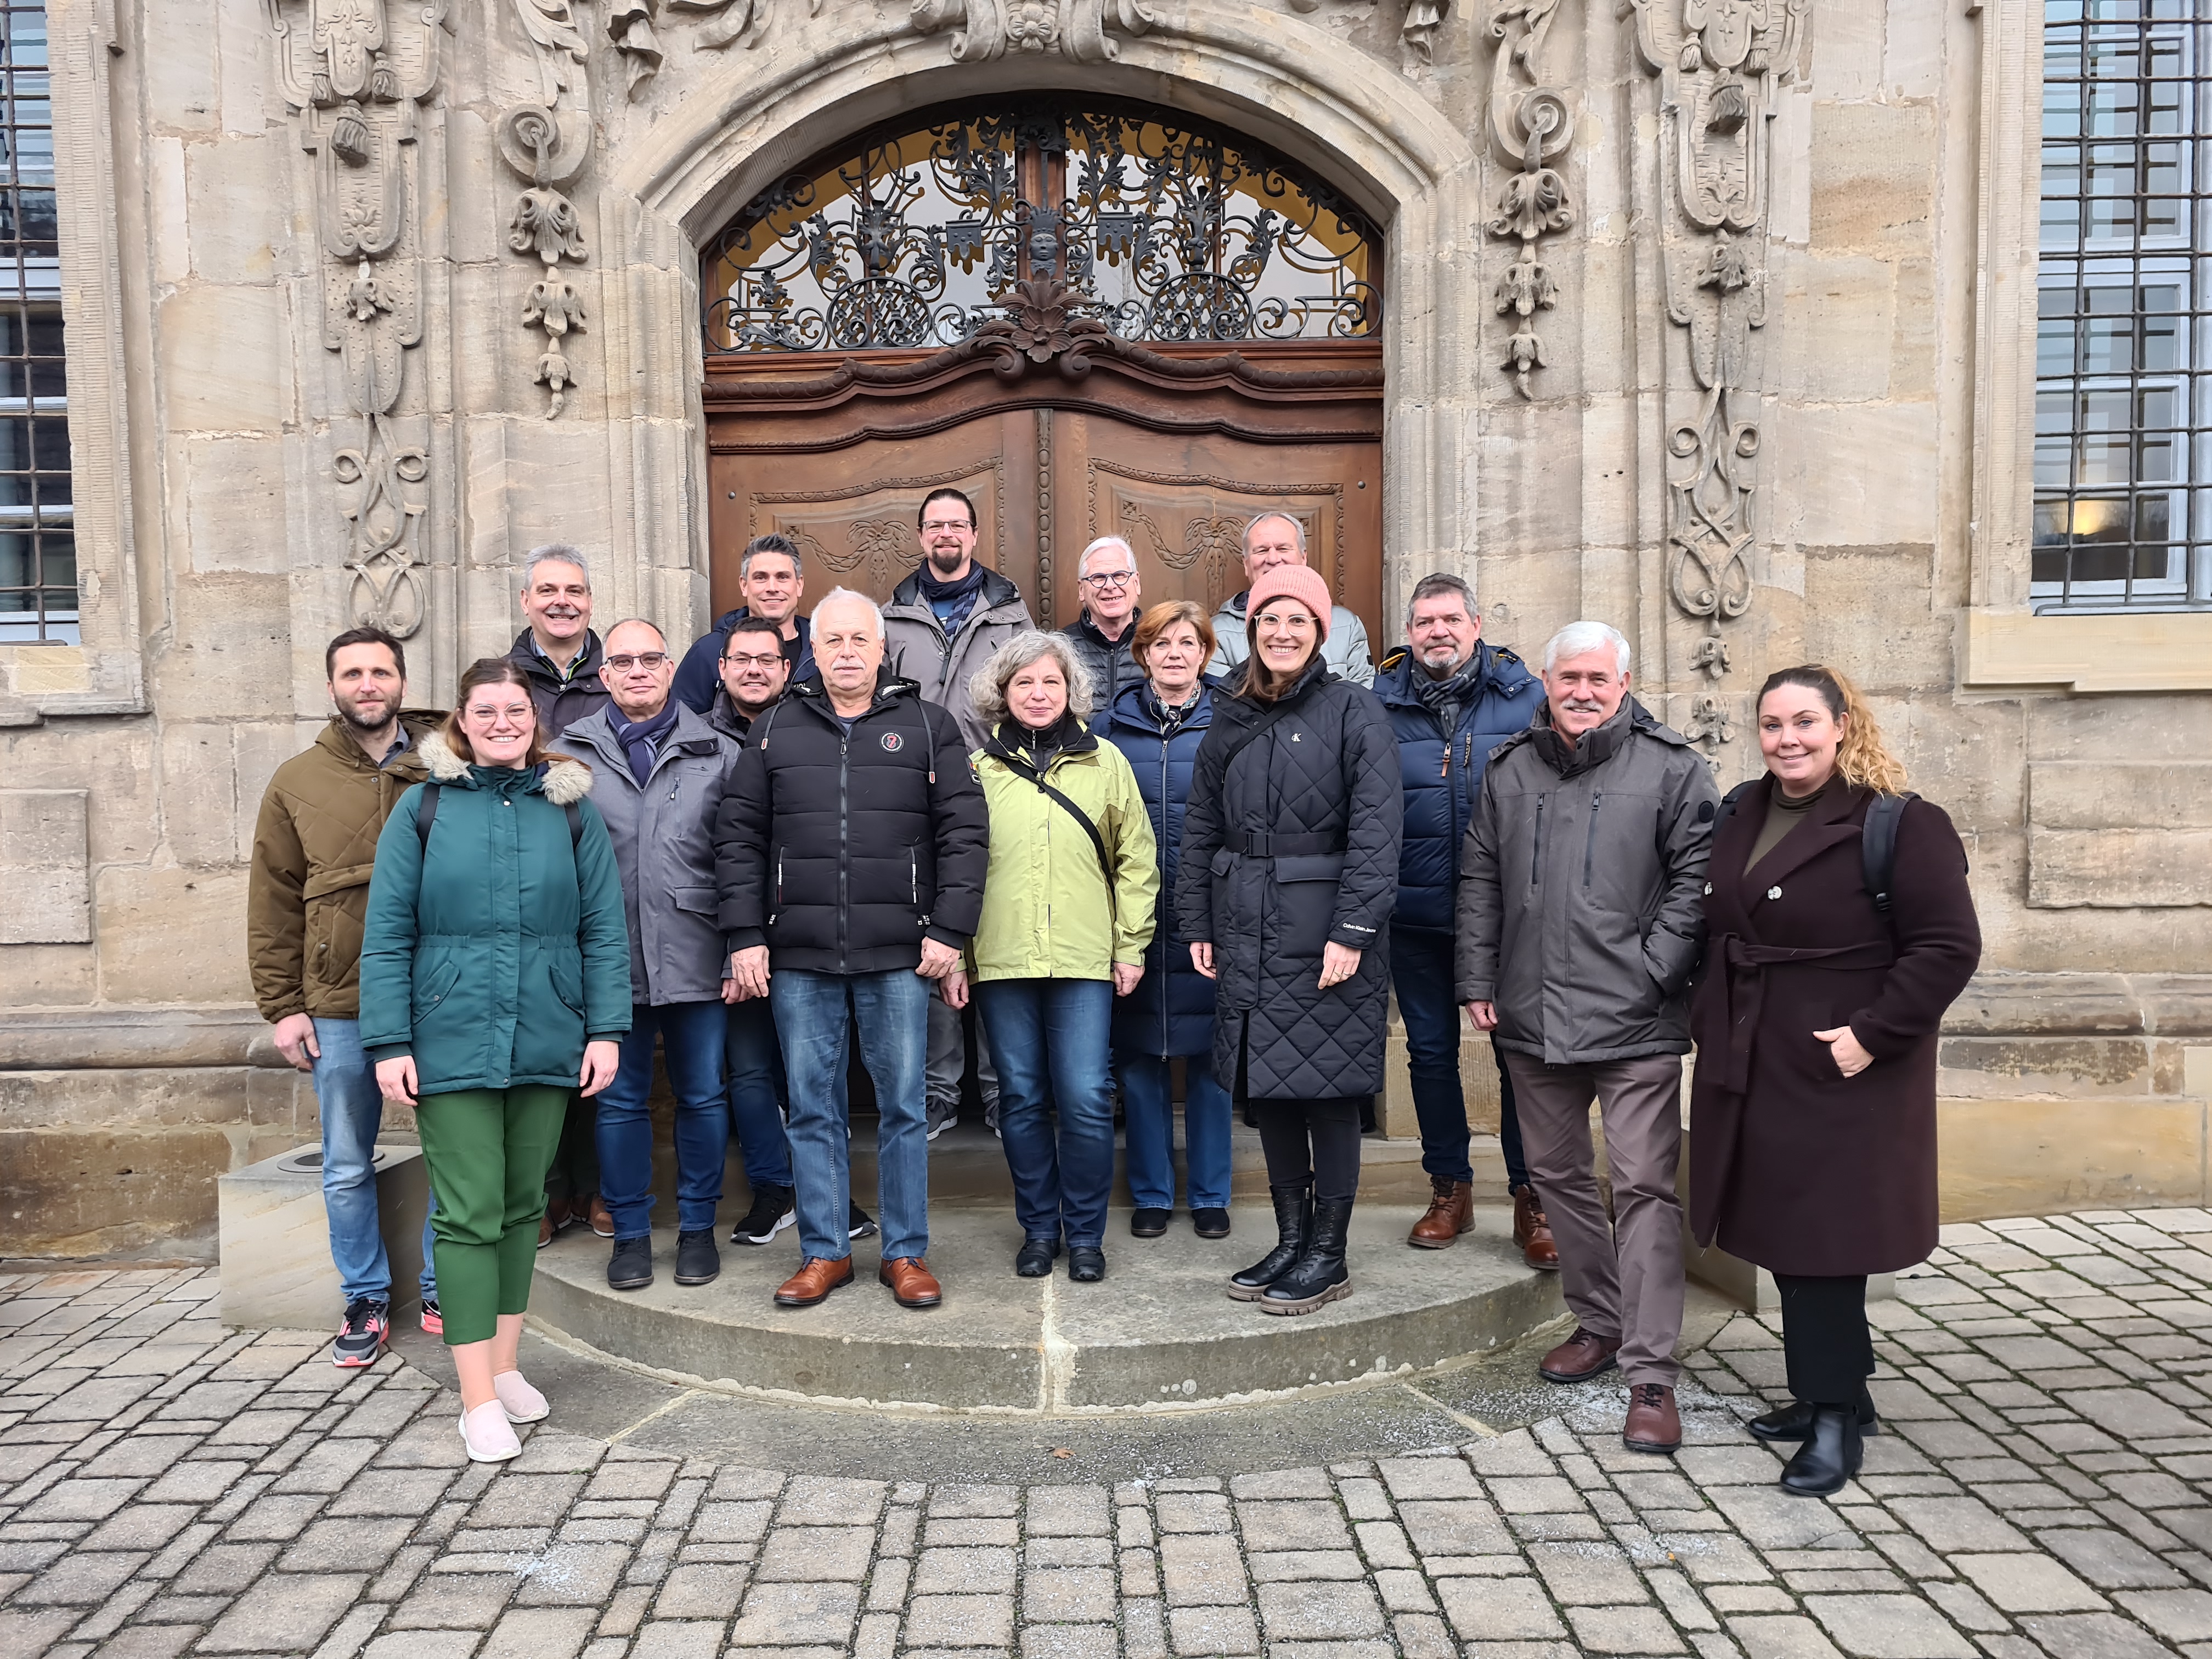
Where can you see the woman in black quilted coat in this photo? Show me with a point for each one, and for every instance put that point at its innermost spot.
(1288, 874)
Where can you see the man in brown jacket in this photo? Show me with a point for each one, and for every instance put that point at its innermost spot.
(314, 848)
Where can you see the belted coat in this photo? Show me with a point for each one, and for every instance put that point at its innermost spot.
(1290, 844)
(1793, 1165)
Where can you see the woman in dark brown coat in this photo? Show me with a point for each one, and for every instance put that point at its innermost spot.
(1813, 1151)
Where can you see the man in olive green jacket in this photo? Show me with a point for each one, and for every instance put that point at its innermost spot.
(314, 848)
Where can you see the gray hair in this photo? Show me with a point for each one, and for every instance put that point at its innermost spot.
(1580, 638)
(1435, 585)
(987, 690)
(774, 542)
(554, 553)
(1257, 519)
(838, 594)
(1121, 542)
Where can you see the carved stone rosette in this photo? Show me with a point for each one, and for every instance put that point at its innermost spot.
(545, 224)
(1531, 124)
(354, 74)
(1081, 29)
(1722, 64)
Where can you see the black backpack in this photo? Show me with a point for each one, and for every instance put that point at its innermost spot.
(1877, 841)
(426, 810)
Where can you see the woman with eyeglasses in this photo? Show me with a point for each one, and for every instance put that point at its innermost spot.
(1288, 873)
(495, 980)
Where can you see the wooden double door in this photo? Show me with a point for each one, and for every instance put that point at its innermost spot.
(1057, 439)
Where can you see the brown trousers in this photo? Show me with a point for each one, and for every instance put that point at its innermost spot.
(1622, 1278)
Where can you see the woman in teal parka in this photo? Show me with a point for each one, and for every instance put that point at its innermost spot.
(495, 979)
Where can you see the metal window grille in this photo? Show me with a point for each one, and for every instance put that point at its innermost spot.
(2123, 350)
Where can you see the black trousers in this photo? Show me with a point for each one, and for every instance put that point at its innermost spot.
(1825, 1340)
(1311, 1139)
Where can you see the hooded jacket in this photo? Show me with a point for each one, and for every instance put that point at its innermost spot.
(314, 845)
(699, 676)
(916, 649)
(1581, 892)
(493, 955)
(1171, 1010)
(663, 831)
(842, 850)
(1345, 650)
(561, 702)
(1442, 772)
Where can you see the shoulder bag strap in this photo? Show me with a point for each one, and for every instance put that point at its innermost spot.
(1007, 757)
(426, 810)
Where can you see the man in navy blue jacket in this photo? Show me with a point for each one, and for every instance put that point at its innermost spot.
(1451, 699)
(769, 578)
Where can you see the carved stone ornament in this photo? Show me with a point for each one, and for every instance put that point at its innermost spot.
(1531, 124)
(1722, 64)
(1080, 29)
(1425, 20)
(355, 76)
(547, 154)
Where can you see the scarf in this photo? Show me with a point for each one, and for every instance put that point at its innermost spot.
(1169, 716)
(640, 740)
(1447, 698)
(953, 601)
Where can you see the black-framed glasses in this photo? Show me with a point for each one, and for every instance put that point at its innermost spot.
(938, 526)
(624, 663)
(1111, 578)
(766, 662)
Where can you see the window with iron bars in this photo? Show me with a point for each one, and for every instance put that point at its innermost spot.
(37, 550)
(2124, 371)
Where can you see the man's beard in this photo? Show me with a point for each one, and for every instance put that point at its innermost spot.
(357, 722)
(1451, 665)
(944, 562)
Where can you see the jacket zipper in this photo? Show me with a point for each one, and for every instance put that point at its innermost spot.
(1590, 848)
(913, 877)
(844, 840)
(1537, 854)
(1167, 947)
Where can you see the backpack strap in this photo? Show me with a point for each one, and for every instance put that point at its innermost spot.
(1878, 845)
(576, 825)
(1022, 769)
(426, 813)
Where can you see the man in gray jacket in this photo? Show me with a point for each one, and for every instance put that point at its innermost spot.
(660, 773)
(1271, 539)
(1581, 898)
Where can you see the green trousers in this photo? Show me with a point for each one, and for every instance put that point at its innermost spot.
(487, 1151)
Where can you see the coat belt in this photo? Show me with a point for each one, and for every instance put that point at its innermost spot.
(1743, 988)
(1254, 845)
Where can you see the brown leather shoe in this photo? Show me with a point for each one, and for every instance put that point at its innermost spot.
(1451, 1213)
(1654, 1424)
(1580, 1357)
(558, 1212)
(544, 1231)
(1532, 1232)
(603, 1218)
(817, 1277)
(912, 1286)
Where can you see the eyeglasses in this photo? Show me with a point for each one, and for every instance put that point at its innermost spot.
(647, 659)
(1111, 578)
(938, 526)
(1298, 622)
(766, 662)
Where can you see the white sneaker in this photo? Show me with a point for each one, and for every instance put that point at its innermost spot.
(488, 1434)
(524, 1404)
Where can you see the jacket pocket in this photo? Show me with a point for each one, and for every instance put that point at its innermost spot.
(1306, 889)
(566, 976)
(699, 901)
(434, 986)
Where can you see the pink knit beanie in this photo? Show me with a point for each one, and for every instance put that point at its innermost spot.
(1289, 581)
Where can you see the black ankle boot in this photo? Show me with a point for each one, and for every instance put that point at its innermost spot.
(1293, 1223)
(1830, 1455)
(1319, 1276)
(1795, 1421)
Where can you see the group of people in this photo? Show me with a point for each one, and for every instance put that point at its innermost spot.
(1157, 836)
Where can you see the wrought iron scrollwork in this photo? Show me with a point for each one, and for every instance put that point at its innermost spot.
(1158, 229)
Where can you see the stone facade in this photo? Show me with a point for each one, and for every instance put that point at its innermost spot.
(1710, 318)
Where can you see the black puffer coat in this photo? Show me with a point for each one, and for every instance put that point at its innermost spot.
(840, 851)
(1325, 776)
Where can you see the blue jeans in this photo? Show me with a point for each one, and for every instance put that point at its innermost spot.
(692, 1037)
(352, 1110)
(1050, 1037)
(1422, 972)
(1148, 1099)
(755, 1068)
(815, 1012)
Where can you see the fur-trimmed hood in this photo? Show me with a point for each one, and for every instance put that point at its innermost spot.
(563, 780)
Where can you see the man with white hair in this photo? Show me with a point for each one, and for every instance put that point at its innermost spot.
(1104, 637)
(1271, 539)
(1596, 821)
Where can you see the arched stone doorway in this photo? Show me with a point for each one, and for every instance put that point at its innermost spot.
(1094, 316)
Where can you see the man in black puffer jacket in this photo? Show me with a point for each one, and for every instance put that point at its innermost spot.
(850, 853)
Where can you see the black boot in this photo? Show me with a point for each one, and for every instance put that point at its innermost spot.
(1830, 1455)
(1320, 1276)
(1795, 1420)
(1293, 1223)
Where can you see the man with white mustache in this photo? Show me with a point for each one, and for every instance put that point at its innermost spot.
(1581, 911)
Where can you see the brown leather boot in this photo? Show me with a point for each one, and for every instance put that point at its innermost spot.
(1532, 1232)
(603, 1218)
(912, 1286)
(1653, 1425)
(1451, 1213)
(816, 1277)
(1580, 1357)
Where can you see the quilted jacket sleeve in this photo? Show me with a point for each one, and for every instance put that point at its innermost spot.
(961, 821)
(1201, 839)
(1136, 862)
(1480, 911)
(1369, 890)
(276, 913)
(741, 839)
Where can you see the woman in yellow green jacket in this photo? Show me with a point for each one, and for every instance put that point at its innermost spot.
(1067, 912)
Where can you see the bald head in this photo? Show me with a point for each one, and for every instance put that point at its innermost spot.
(638, 670)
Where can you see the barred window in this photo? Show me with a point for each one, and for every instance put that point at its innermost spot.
(2123, 373)
(38, 551)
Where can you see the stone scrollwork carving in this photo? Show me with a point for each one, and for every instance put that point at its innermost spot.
(1531, 124)
(548, 149)
(355, 80)
(1081, 29)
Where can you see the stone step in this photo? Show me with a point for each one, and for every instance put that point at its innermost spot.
(1159, 1332)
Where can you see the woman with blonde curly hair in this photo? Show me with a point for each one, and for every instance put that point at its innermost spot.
(1829, 962)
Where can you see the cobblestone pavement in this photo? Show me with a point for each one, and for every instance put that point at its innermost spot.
(2039, 1487)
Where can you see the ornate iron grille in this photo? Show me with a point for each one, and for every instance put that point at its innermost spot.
(2124, 357)
(1165, 231)
(38, 554)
